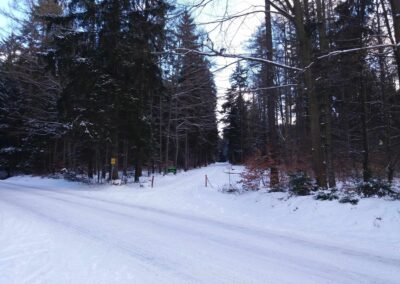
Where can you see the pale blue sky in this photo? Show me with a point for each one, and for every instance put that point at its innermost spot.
(3, 21)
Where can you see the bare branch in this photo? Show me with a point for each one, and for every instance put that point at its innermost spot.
(184, 51)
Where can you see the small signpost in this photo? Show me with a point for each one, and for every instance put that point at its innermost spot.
(171, 170)
(113, 163)
(230, 172)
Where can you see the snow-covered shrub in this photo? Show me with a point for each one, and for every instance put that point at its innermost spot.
(349, 199)
(300, 183)
(252, 179)
(327, 194)
(343, 195)
(75, 176)
(255, 175)
(280, 188)
(226, 188)
(377, 188)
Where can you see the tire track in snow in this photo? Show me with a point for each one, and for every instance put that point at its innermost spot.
(150, 263)
(231, 227)
(19, 255)
(231, 244)
(124, 249)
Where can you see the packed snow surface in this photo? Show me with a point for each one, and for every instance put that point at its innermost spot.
(53, 231)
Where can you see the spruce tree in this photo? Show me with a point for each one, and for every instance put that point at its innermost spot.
(236, 116)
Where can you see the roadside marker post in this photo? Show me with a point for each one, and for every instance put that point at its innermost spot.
(113, 163)
(230, 172)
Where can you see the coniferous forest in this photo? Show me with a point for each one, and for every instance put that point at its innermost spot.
(107, 87)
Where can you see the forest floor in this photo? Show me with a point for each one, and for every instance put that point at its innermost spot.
(54, 231)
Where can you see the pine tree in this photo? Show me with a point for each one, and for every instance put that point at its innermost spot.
(196, 133)
(112, 76)
(36, 89)
(236, 117)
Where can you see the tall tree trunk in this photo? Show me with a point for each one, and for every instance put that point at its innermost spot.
(167, 142)
(367, 174)
(176, 134)
(271, 100)
(161, 137)
(386, 109)
(64, 156)
(326, 96)
(138, 165)
(396, 22)
(125, 161)
(69, 155)
(186, 151)
(389, 28)
(98, 163)
(114, 168)
(74, 147)
(242, 127)
(90, 164)
(305, 50)
(364, 118)
(54, 165)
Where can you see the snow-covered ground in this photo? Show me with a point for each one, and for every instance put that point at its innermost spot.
(53, 231)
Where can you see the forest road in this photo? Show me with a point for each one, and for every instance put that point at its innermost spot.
(63, 236)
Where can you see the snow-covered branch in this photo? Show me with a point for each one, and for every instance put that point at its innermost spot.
(184, 51)
(351, 50)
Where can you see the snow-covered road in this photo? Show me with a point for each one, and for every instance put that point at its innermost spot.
(61, 236)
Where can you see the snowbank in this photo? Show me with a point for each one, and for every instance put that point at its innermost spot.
(373, 225)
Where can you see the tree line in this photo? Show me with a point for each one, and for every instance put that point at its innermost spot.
(329, 106)
(84, 81)
(85, 87)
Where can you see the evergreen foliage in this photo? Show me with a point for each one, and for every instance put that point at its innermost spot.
(84, 82)
(88, 81)
(236, 118)
(300, 183)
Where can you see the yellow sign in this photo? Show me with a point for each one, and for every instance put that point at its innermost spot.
(113, 161)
